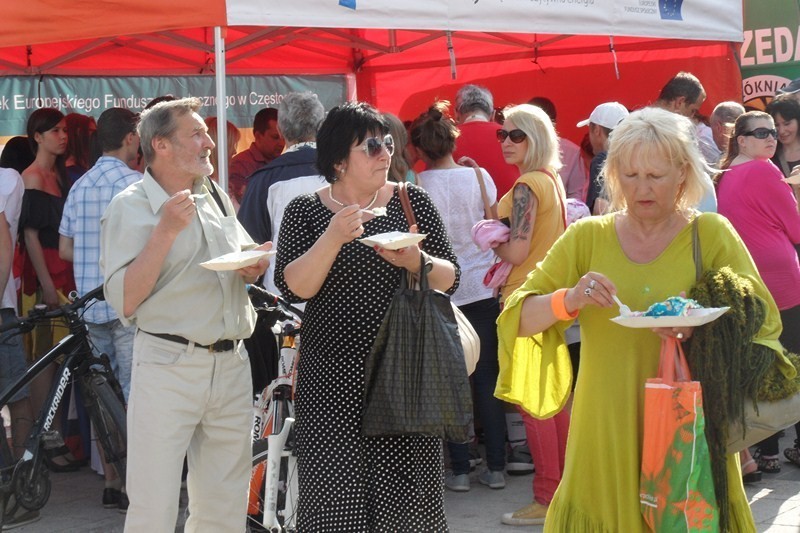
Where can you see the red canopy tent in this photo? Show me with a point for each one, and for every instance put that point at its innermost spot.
(401, 58)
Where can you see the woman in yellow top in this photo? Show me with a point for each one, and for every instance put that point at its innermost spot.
(641, 252)
(536, 207)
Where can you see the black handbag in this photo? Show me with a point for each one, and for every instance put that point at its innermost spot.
(416, 378)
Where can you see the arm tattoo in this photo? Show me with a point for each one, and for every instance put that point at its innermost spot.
(521, 213)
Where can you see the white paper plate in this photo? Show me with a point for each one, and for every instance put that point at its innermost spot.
(697, 317)
(393, 240)
(236, 260)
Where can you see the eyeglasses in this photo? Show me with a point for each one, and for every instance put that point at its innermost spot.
(762, 133)
(517, 136)
(373, 146)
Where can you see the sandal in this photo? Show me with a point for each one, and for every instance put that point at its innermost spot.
(769, 465)
(57, 460)
(793, 454)
(754, 475)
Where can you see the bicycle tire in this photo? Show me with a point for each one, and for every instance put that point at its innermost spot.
(107, 413)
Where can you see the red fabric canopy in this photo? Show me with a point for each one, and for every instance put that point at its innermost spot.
(401, 71)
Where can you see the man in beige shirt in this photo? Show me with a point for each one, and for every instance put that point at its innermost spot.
(191, 391)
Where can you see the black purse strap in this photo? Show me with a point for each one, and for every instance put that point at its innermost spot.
(697, 253)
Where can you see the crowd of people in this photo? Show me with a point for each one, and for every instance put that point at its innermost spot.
(132, 202)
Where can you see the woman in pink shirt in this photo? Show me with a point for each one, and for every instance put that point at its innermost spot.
(752, 194)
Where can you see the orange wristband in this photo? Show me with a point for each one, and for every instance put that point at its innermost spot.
(558, 306)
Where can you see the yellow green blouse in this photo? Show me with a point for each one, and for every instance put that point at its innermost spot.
(599, 491)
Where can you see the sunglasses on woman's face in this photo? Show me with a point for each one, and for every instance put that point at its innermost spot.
(373, 146)
(762, 133)
(517, 136)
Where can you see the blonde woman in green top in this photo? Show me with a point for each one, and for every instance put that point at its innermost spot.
(641, 252)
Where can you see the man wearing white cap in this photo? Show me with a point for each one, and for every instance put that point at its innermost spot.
(601, 122)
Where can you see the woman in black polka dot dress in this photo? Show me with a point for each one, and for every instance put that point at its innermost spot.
(349, 482)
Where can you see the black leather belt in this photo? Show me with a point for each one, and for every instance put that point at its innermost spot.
(224, 345)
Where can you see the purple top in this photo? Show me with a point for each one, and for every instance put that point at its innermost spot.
(763, 209)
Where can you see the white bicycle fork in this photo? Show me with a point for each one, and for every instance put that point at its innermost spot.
(275, 452)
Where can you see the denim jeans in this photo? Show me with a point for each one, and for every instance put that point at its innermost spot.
(116, 341)
(483, 315)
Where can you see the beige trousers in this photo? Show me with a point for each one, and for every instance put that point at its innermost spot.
(187, 400)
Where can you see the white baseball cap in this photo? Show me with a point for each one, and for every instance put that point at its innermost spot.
(607, 115)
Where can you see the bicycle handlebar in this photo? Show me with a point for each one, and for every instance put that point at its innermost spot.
(36, 315)
(261, 297)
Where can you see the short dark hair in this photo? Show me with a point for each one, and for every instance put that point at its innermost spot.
(346, 124)
(113, 126)
(263, 118)
(434, 132)
(158, 99)
(683, 84)
(546, 105)
(17, 154)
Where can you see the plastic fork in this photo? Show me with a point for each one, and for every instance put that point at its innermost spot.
(624, 310)
(375, 211)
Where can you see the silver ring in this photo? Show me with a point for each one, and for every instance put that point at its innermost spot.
(587, 291)
(679, 335)
(592, 283)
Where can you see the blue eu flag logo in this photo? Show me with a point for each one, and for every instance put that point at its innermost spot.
(670, 9)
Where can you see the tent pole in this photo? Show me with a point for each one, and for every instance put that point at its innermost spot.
(222, 97)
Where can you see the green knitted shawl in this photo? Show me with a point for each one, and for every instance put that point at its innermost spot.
(730, 366)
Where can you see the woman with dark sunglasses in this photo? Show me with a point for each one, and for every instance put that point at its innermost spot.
(536, 207)
(762, 208)
(348, 482)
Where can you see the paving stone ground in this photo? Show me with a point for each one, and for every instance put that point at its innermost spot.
(75, 506)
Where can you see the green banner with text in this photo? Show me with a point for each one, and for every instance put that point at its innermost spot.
(20, 95)
(770, 54)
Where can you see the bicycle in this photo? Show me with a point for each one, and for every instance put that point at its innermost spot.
(25, 482)
(272, 504)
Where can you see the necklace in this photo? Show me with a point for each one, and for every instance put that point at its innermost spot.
(473, 118)
(337, 202)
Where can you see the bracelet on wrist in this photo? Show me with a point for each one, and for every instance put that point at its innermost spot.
(559, 307)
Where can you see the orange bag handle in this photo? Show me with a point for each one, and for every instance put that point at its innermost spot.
(672, 366)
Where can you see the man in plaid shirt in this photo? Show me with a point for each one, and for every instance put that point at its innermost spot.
(80, 243)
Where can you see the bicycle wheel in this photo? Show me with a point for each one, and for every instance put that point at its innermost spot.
(107, 414)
